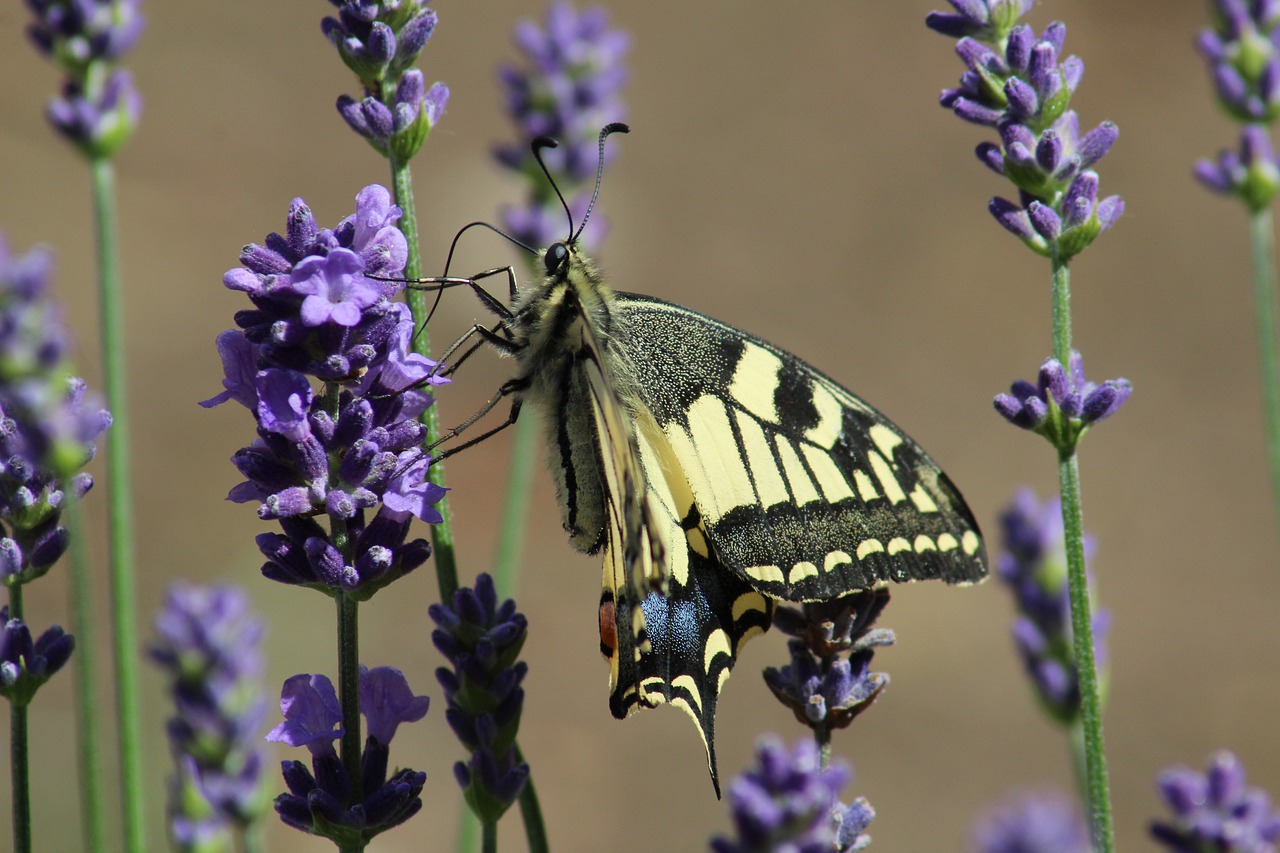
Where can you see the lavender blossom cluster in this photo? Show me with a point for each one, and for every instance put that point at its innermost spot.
(570, 86)
(354, 448)
(99, 106)
(208, 645)
(380, 42)
(1017, 83)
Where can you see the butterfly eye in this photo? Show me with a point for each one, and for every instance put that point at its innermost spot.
(555, 257)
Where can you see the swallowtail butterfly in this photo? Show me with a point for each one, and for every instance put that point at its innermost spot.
(715, 472)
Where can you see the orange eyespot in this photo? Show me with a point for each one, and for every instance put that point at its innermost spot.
(608, 630)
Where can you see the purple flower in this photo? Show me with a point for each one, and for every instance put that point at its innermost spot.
(482, 639)
(824, 690)
(985, 20)
(386, 701)
(311, 711)
(1216, 810)
(1062, 405)
(789, 801)
(1015, 82)
(97, 123)
(24, 664)
(353, 449)
(319, 799)
(207, 641)
(74, 34)
(1033, 566)
(99, 107)
(568, 88)
(1032, 823)
(379, 42)
(1253, 175)
(48, 420)
(1243, 60)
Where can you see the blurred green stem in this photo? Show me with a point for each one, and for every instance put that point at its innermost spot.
(119, 506)
(1262, 240)
(84, 670)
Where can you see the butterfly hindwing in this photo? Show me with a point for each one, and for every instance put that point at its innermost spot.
(803, 490)
(673, 641)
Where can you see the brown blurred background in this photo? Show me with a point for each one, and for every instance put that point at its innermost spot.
(790, 173)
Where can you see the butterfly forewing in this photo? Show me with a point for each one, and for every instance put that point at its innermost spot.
(803, 490)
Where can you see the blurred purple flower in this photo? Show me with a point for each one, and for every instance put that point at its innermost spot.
(1216, 810)
(790, 802)
(1253, 175)
(1241, 51)
(208, 643)
(1032, 823)
(99, 107)
(568, 89)
(48, 420)
(1033, 566)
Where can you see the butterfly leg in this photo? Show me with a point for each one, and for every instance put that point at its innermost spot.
(513, 386)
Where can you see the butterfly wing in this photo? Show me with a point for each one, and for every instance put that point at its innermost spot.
(802, 490)
(671, 622)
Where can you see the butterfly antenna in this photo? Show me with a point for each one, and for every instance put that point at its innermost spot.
(539, 145)
(605, 132)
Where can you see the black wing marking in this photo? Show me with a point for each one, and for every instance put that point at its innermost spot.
(804, 490)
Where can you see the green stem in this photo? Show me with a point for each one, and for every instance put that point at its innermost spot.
(18, 773)
(535, 831)
(489, 836)
(1261, 234)
(1099, 788)
(85, 671)
(442, 533)
(468, 826)
(1061, 312)
(120, 508)
(349, 690)
(251, 838)
(1095, 758)
(349, 697)
(515, 506)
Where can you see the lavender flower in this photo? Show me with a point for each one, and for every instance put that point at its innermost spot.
(985, 20)
(1033, 565)
(48, 421)
(1032, 823)
(824, 690)
(1016, 83)
(482, 639)
(380, 41)
(569, 88)
(789, 801)
(99, 107)
(1243, 58)
(320, 799)
(355, 447)
(207, 641)
(1062, 405)
(1216, 810)
(24, 664)
(1253, 175)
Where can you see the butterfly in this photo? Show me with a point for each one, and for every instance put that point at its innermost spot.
(715, 472)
